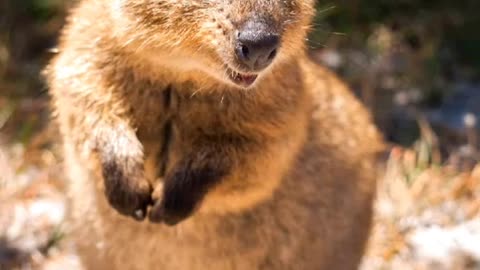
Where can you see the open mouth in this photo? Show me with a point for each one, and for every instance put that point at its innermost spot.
(244, 80)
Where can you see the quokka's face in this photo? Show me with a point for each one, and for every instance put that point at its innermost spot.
(234, 41)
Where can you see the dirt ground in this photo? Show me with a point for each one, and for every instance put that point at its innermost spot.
(427, 216)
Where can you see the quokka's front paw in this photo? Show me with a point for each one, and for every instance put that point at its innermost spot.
(126, 188)
(183, 191)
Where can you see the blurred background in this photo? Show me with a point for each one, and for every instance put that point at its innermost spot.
(415, 64)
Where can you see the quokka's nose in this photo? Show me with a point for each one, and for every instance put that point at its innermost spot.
(257, 45)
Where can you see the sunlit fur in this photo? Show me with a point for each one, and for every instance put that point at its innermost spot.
(293, 153)
(163, 33)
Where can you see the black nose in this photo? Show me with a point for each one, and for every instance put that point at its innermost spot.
(257, 45)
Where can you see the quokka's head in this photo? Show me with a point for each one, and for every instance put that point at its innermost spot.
(232, 41)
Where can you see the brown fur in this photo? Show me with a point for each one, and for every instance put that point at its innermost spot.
(277, 176)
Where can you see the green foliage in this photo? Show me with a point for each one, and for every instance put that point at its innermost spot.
(441, 24)
(39, 10)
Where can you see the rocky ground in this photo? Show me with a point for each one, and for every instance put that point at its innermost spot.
(427, 213)
(426, 218)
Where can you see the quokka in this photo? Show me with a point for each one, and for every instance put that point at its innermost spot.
(198, 135)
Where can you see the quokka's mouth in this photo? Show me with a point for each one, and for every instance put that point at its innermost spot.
(241, 79)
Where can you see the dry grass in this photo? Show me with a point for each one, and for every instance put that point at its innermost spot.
(415, 196)
(417, 192)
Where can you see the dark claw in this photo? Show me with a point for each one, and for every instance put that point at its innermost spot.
(128, 193)
(159, 214)
(130, 204)
(139, 215)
